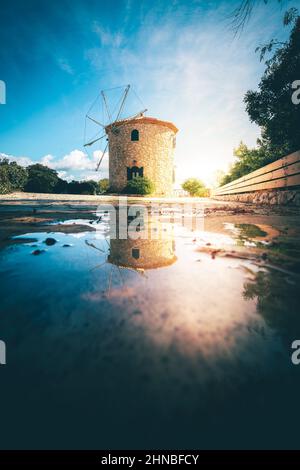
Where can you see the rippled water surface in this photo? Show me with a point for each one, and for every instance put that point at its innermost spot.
(179, 341)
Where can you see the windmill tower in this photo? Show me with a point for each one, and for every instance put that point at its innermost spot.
(138, 146)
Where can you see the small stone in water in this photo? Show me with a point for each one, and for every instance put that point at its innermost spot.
(38, 252)
(66, 245)
(50, 241)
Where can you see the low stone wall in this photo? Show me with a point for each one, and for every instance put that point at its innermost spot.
(271, 197)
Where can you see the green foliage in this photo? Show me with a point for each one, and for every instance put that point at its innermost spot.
(103, 185)
(139, 185)
(271, 107)
(248, 231)
(83, 187)
(195, 187)
(247, 160)
(61, 187)
(41, 179)
(290, 16)
(38, 178)
(13, 177)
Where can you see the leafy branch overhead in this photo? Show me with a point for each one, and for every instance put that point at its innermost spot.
(271, 106)
(242, 14)
(290, 17)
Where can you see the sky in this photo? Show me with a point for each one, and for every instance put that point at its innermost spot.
(180, 57)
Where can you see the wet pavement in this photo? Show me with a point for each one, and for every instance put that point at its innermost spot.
(179, 340)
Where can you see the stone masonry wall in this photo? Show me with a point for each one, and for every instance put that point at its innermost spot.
(270, 197)
(154, 151)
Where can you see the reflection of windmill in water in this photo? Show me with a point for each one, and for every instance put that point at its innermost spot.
(149, 245)
(152, 247)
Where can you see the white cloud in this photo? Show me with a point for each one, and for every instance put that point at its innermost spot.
(23, 161)
(63, 175)
(76, 165)
(47, 160)
(76, 160)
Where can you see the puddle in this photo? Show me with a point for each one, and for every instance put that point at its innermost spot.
(251, 234)
(148, 342)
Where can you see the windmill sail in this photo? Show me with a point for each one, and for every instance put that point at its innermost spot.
(113, 123)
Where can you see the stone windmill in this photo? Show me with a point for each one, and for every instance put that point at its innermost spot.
(138, 146)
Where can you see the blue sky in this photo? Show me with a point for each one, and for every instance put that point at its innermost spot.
(179, 56)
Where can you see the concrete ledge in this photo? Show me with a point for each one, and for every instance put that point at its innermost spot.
(282, 197)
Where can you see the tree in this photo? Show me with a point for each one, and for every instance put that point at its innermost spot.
(13, 177)
(195, 187)
(139, 185)
(41, 179)
(103, 185)
(61, 187)
(83, 187)
(271, 107)
(247, 160)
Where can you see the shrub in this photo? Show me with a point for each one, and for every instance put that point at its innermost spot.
(13, 177)
(83, 187)
(103, 185)
(139, 185)
(195, 187)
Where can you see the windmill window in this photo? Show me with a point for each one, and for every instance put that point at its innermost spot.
(135, 253)
(135, 135)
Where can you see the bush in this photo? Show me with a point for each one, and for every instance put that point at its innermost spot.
(139, 185)
(13, 177)
(83, 187)
(195, 187)
(41, 179)
(5, 187)
(103, 185)
(61, 187)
